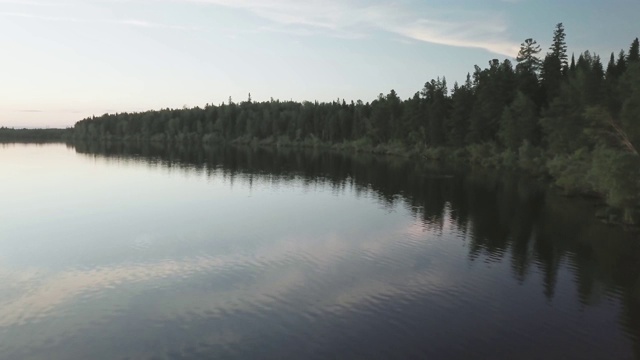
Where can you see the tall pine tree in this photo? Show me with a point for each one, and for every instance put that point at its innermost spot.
(559, 45)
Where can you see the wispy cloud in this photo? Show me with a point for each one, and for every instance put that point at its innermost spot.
(33, 3)
(470, 35)
(344, 19)
(40, 17)
(150, 24)
(353, 20)
(129, 22)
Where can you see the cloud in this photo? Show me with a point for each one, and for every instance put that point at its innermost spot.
(149, 24)
(40, 17)
(351, 19)
(129, 22)
(458, 35)
(274, 281)
(348, 19)
(33, 3)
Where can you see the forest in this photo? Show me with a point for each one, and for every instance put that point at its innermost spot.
(568, 118)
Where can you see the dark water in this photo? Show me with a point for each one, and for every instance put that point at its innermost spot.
(114, 252)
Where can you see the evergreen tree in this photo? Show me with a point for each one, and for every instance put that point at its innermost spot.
(563, 122)
(572, 66)
(595, 82)
(551, 77)
(611, 86)
(518, 123)
(612, 70)
(559, 45)
(634, 52)
(495, 88)
(395, 114)
(528, 68)
(461, 109)
(621, 63)
(437, 105)
(412, 120)
(528, 60)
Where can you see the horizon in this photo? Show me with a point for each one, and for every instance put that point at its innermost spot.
(76, 59)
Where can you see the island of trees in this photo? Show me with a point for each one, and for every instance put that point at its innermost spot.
(571, 119)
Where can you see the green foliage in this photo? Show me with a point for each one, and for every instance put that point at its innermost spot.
(361, 144)
(435, 95)
(509, 129)
(617, 175)
(486, 154)
(531, 159)
(630, 113)
(509, 159)
(551, 77)
(457, 125)
(495, 89)
(518, 123)
(435, 153)
(569, 171)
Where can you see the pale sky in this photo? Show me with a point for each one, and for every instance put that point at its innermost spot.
(64, 60)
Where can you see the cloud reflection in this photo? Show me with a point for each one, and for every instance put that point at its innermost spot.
(273, 272)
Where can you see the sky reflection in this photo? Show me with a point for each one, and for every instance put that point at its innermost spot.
(223, 261)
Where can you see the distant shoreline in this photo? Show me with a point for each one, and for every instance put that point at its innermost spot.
(34, 135)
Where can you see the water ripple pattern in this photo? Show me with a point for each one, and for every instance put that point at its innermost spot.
(252, 255)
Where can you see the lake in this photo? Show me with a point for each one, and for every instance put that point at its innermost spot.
(151, 252)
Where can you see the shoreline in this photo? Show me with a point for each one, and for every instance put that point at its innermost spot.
(530, 163)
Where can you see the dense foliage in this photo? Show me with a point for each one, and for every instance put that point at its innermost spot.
(574, 119)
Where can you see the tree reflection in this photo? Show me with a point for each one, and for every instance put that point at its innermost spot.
(502, 216)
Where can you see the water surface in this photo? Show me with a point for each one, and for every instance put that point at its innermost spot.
(139, 252)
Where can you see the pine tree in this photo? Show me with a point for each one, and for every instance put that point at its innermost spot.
(551, 77)
(611, 94)
(495, 88)
(594, 82)
(572, 66)
(437, 105)
(611, 68)
(555, 64)
(461, 109)
(559, 45)
(634, 52)
(528, 60)
(621, 64)
(518, 122)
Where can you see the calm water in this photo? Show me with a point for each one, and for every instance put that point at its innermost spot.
(176, 253)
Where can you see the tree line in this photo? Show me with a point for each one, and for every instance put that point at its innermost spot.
(569, 117)
(33, 135)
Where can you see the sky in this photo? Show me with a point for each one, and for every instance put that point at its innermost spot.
(65, 60)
